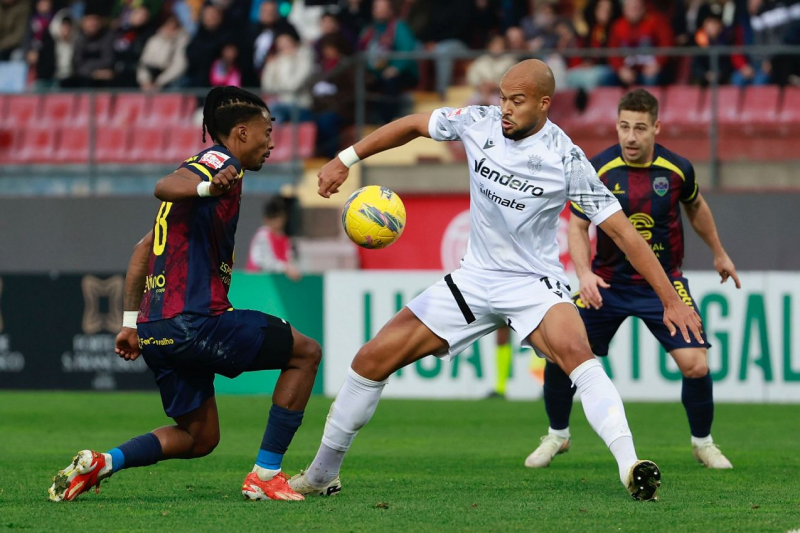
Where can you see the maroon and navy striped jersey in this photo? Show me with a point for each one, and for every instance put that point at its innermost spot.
(650, 196)
(193, 247)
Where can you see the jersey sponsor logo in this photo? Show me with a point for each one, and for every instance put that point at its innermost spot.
(661, 185)
(214, 159)
(643, 223)
(455, 112)
(507, 180)
(534, 164)
(488, 144)
(618, 189)
(505, 202)
(155, 283)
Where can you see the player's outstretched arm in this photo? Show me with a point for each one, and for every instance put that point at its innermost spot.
(676, 313)
(580, 250)
(127, 345)
(701, 219)
(183, 184)
(392, 135)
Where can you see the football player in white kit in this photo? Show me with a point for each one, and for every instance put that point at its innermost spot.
(523, 170)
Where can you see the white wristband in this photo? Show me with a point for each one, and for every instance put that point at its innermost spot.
(204, 189)
(349, 157)
(129, 319)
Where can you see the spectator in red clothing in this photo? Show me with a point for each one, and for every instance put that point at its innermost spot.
(639, 29)
(588, 73)
(271, 249)
(734, 68)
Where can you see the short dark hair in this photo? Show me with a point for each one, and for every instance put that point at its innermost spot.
(276, 206)
(640, 101)
(226, 107)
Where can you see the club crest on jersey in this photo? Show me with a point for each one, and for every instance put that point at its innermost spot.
(661, 185)
(214, 159)
(534, 164)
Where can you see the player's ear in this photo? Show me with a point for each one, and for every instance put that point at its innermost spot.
(657, 127)
(241, 132)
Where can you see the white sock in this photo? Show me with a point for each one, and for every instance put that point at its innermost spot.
(354, 406)
(561, 433)
(265, 474)
(108, 469)
(702, 441)
(605, 413)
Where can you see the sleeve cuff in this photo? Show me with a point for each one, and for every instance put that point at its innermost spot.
(432, 123)
(601, 217)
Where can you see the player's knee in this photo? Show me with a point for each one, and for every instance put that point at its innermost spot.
(368, 363)
(307, 354)
(695, 369)
(573, 352)
(205, 444)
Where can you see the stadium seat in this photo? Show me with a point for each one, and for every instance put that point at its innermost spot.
(147, 146)
(563, 110)
(58, 110)
(21, 111)
(111, 144)
(728, 106)
(306, 139)
(680, 111)
(167, 109)
(73, 145)
(37, 144)
(789, 116)
(129, 108)
(102, 108)
(600, 116)
(285, 147)
(10, 140)
(760, 107)
(183, 141)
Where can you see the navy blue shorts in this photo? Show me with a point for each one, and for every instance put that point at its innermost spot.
(624, 300)
(186, 351)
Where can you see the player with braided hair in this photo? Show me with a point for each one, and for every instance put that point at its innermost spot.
(178, 317)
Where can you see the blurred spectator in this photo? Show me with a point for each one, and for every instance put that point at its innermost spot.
(333, 92)
(306, 19)
(484, 74)
(732, 68)
(771, 21)
(163, 60)
(388, 77)
(286, 78)
(225, 70)
(485, 23)
(446, 29)
(588, 73)
(13, 24)
(515, 40)
(205, 47)
(125, 9)
(187, 17)
(271, 248)
(330, 24)
(639, 29)
(134, 30)
(540, 25)
(40, 46)
(93, 59)
(62, 30)
(355, 14)
(270, 25)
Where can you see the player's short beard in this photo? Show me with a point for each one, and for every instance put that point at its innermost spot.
(520, 134)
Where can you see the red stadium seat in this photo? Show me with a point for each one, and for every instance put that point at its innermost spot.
(680, 111)
(112, 144)
(37, 145)
(563, 110)
(102, 108)
(183, 142)
(167, 109)
(22, 110)
(148, 146)
(58, 110)
(728, 105)
(600, 116)
(306, 139)
(789, 117)
(760, 109)
(10, 140)
(128, 109)
(73, 145)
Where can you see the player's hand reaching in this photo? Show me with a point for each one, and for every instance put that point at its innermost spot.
(679, 316)
(589, 291)
(128, 344)
(224, 181)
(331, 177)
(726, 269)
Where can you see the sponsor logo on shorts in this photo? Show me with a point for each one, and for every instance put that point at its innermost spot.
(683, 293)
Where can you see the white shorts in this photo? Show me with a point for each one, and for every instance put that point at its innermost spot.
(468, 304)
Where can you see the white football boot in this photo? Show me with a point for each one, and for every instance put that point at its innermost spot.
(711, 457)
(550, 446)
(301, 485)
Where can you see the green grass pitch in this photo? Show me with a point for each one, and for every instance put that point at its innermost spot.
(436, 466)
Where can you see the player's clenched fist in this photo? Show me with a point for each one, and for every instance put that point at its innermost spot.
(127, 345)
(331, 177)
(224, 181)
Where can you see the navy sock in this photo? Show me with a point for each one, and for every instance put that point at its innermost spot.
(558, 393)
(281, 427)
(143, 450)
(697, 396)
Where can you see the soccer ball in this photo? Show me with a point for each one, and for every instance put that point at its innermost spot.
(374, 217)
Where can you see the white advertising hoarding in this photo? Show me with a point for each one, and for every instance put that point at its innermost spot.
(755, 354)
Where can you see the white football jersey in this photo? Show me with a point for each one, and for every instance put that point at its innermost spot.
(518, 189)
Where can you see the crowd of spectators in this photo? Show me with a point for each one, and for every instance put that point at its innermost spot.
(294, 50)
